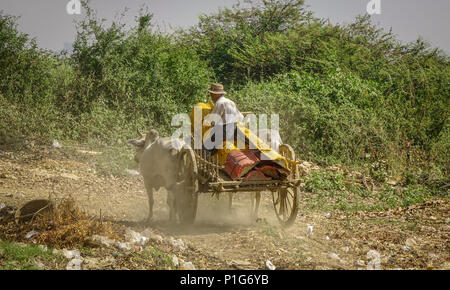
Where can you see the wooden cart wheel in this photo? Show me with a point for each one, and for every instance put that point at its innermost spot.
(285, 200)
(187, 196)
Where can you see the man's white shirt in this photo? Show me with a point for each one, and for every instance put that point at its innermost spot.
(227, 110)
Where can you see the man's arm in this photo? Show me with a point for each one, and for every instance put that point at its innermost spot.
(217, 110)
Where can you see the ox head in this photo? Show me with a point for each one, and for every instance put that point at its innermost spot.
(143, 142)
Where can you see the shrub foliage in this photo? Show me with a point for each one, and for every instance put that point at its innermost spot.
(350, 94)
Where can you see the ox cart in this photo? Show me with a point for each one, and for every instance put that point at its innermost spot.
(201, 173)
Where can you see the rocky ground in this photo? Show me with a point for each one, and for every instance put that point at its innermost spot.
(415, 237)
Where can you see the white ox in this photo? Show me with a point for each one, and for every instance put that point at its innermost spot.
(157, 159)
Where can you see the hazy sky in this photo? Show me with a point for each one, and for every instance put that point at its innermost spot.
(48, 21)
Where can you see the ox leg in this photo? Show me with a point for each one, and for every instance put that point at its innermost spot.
(230, 201)
(257, 202)
(151, 201)
(172, 205)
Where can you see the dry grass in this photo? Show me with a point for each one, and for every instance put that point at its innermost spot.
(65, 226)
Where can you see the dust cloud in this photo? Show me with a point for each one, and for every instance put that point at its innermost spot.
(214, 210)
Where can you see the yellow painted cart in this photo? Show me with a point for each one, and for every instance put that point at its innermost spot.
(202, 173)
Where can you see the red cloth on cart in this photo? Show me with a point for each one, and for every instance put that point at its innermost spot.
(240, 162)
(256, 174)
(270, 171)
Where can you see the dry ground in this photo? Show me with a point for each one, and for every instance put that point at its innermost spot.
(416, 237)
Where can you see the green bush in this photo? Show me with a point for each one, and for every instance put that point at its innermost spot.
(350, 94)
(319, 117)
(115, 81)
(25, 75)
(345, 91)
(319, 181)
(141, 72)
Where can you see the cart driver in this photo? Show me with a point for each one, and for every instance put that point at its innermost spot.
(229, 117)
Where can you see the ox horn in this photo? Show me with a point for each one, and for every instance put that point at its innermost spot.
(139, 133)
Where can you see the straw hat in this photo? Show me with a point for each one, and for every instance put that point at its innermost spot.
(216, 89)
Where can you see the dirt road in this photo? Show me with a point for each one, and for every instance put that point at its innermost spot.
(416, 237)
